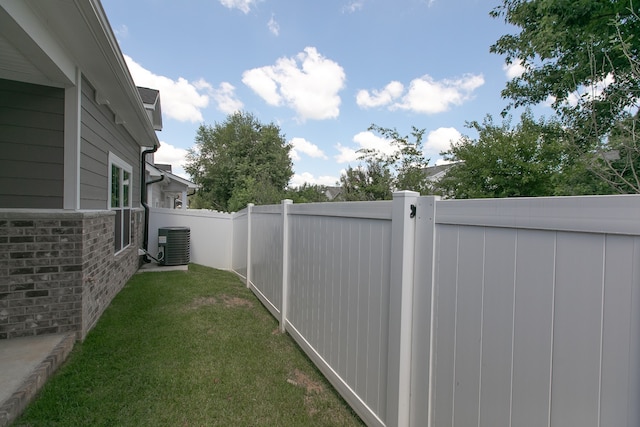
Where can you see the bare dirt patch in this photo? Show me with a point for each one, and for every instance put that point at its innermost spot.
(202, 302)
(300, 379)
(317, 401)
(230, 301)
(227, 300)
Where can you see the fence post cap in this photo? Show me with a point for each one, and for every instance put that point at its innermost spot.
(405, 193)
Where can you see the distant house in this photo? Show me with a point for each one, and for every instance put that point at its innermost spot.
(74, 132)
(167, 190)
(332, 192)
(163, 188)
(437, 172)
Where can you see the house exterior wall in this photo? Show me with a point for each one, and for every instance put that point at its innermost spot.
(100, 135)
(58, 272)
(105, 274)
(31, 145)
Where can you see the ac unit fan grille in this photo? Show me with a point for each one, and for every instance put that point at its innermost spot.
(177, 245)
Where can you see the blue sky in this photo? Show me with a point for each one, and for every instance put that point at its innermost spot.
(323, 71)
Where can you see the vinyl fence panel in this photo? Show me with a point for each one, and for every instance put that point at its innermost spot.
(239, 245)
(339, 290)
(535, 313)
(424, 312)
(211, 234)
(533, 328)
(266, 255)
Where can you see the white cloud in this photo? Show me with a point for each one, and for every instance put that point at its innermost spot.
(298, 179)
(424, 95)
(262, 82)
(428, 96)
(371, 141)
(378, 98)
(591, 92)
(440, 139)
(226, 99)
(353, 6)
(301, 145)
(242, 5)
(513, 70)
(346, 154)
(180, 99)
(273, 26)
(549, 101)
(308, 83)
(442, 161)
(174, 156)
(584, 93)
(122, 32)
(363, 140)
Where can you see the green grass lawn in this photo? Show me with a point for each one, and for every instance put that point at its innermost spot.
(189, 348)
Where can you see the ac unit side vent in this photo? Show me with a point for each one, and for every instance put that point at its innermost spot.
(174, 245)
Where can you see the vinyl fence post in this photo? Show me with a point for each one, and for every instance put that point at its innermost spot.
(423, 312)
(249, 209)
(285, 264)
(401, 307)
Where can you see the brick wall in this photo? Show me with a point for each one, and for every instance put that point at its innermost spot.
(57, 270)
(105, 274)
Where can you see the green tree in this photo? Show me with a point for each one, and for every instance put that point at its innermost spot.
(405, 165)
(505, 161)
(566, 47)
(307, 193)
(237, 162)
(369, 182)
(584, 55)
(617, 161)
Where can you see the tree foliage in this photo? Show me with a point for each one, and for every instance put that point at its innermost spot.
(405, 166)
(567, 47)
(366, 183)
(584, 55)
(239, 161)
(617, 162)
(505, 161)
(307, 193)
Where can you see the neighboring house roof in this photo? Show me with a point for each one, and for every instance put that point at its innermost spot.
(332, 192)
(151, 101)
(163, 166)
(170, 182)
(46, 42)
(437, 172)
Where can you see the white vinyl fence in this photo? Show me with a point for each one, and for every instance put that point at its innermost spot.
(423, 312)
(211, 234)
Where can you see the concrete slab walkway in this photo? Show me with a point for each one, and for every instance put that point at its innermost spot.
(153, 267)
(25, 365)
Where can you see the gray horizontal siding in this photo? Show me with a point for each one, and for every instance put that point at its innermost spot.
(31, 145)
(101, 135)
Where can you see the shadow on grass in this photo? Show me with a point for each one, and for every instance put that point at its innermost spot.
(189, 348)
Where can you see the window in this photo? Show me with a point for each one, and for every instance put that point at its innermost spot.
(120, 200)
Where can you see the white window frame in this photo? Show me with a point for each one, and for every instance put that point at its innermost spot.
(122, 221)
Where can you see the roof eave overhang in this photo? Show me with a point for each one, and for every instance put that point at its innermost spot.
(64, 34)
